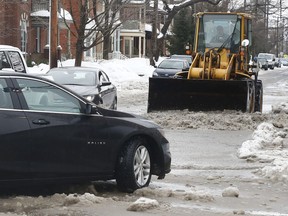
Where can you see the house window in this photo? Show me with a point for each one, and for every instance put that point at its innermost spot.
(38, 40)
(23, 27)
(127, 47)
(88, 43)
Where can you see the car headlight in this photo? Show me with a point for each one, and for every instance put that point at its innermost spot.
(155, 74)
(90, 97)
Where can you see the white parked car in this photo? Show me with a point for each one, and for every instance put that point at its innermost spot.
(12, 59)
(270, 58)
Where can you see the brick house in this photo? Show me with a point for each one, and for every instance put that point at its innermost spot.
(14, 23)
(25, 24)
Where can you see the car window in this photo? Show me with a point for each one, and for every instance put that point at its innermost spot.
(45, 97)
(89, 78)
(4, 63)
(73, 77)
(5, 97)
(171, 64)
(16, 61)
(103, 77)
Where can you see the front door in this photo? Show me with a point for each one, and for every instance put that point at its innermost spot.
(66, 142)
(14, 135)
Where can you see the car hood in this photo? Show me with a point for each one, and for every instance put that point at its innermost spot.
(168, 71)
(83, 90)
(133, 118)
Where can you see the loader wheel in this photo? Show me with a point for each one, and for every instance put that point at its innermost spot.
(258, 97)
(250, 98)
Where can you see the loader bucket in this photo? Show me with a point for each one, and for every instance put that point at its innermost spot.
(198, 95)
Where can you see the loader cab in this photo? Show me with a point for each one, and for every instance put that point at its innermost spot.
(217, 30)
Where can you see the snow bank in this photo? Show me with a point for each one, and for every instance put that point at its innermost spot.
(85, 199)
(269, 145)
(231, 191)
(143, 204)
(185, 193)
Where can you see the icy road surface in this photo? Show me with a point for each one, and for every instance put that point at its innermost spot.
(223, 163)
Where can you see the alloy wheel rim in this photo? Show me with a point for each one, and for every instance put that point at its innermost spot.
(142, 165)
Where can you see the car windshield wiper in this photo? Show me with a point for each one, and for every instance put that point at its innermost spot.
(227, 40)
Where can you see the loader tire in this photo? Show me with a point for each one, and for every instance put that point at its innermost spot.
(250, 98)
(258, 96)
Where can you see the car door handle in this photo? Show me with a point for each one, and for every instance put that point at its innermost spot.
(40, 122)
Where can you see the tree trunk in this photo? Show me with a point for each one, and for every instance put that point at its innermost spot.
(154, 46)
(106, 46)
(79, 53)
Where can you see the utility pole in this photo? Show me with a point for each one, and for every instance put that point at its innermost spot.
(266, 25)
(277, 38)
(53, 36)
(154, 33)
(282, 28)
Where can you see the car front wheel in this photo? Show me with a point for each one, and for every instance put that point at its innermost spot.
(134, 166)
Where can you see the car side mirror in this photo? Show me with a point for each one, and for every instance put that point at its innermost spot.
(105, 83)
(90, 108)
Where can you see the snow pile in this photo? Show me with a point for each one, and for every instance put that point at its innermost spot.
(231, 191)
(181, 192)
(226, 120)
(86, 199)
(281, 107)
(143, 204)
(269, 146)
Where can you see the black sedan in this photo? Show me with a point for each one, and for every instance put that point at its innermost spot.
(91, 83)
(50, 134)
(169, 67)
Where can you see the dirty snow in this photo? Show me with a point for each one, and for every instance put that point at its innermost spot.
(143, 204)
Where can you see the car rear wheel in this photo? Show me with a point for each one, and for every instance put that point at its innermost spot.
(134, 166)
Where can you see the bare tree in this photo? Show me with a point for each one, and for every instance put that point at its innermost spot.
(170, 14)
(268, 25)
(93, 22)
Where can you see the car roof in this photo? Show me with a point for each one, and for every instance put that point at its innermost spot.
(16, 74)
(75, 68)
(169, 59)
(186, 56)
(8, 47)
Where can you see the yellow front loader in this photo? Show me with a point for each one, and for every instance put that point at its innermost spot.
(222, 75)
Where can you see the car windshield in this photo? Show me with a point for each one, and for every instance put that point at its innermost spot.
(217, 31)
(187, 58)
(73, 77)
(267, 56)
(171, 64)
